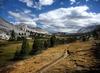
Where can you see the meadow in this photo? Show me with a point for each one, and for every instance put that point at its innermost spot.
(8, 49)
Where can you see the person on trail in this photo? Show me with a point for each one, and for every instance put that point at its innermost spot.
(68, 52)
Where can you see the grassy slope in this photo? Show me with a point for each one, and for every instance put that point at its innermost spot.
(33, 64)
(7, 50)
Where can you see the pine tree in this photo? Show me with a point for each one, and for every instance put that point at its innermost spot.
(52, 40)
(13, 36)
(24, 50)
(38, 44)
(83, 38)
(16, 56)
(95, 34)
(46, 44)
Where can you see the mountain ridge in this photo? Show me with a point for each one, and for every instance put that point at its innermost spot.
(6, 27)
(89, 29)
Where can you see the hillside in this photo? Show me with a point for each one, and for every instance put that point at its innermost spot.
(81, 57)
(6, 27)
(89, 29)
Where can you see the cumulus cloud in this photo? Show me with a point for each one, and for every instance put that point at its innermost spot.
(41, 3)
(23, 17)
(92, 0)
(29, 3)
(37, 5)
(87, 0)
(27, 11)
(68, 19)
(72, 1)
(46, 2)
(60, 20)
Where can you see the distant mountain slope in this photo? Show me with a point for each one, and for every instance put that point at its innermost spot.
(5, 26)
(30, 28)
(21, 28)
(89, 29)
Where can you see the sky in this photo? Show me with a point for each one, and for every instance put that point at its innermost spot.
(52, 15)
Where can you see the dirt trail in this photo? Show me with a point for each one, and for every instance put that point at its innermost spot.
(43, 69)
(68, 57)
(39, 63)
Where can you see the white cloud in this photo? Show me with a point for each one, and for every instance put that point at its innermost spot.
(46, 2)
(37, 5)
(87, 0)
(23, 17)
(72, 1)
(41, 3)
(27, 11)
(60, 20)
(29, 3)
(92, 0)
(68, 19)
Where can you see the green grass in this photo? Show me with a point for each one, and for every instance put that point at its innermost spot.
(8, 49)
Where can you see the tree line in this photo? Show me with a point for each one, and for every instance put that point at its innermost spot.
(42, 43)
(38, 45)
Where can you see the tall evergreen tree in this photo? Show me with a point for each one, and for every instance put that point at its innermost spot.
(38, 44)
(24, 50)
(46, 44)
(95, 34)
(52, 40)
(12, 35)
(17, 55)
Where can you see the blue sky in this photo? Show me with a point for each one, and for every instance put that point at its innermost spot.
(52, 15)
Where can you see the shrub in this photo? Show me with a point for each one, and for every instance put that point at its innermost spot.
(19, 38)
(60, 41)
(70, 39)
(83, 38)
(95, 35)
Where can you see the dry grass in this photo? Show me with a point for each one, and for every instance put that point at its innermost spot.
(36, 62)
(70, 63)
(80, 59)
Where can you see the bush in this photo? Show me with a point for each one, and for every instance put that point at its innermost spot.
(83, 38)
(95, 35)
(70, 39)
(19, 38)
(60, 41)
